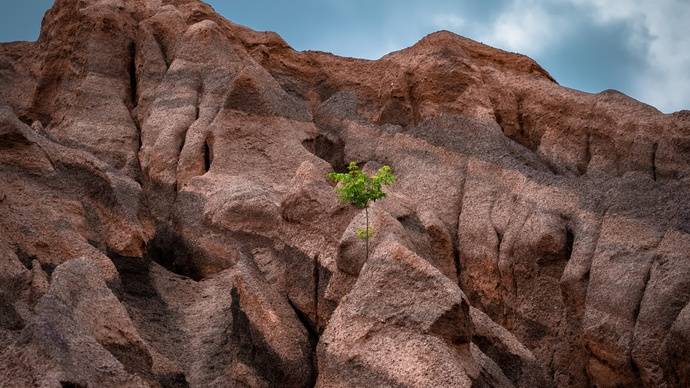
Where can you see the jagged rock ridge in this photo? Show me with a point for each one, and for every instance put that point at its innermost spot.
(166, 220)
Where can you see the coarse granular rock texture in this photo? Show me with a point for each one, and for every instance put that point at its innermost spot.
(166, 221)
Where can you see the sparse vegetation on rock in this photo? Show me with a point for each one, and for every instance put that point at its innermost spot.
(359, 189)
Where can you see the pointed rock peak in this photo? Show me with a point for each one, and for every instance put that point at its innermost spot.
(446, 44)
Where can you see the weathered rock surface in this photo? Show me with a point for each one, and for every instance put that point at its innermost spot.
(406, 324)
(165, 219)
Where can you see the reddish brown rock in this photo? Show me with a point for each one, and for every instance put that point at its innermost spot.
(165, 214)
(403, 323)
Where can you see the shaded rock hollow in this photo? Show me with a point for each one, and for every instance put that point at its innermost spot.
(166, 220)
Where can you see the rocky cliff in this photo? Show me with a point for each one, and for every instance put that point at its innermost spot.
(165, 219)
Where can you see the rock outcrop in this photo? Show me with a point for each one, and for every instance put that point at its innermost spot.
(165, 217)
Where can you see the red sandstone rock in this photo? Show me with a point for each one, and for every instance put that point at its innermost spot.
(165, 219)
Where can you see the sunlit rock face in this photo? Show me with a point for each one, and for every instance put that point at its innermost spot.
(166, 221)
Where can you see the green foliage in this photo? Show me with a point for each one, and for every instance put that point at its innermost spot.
(364, 233)
(358, 188)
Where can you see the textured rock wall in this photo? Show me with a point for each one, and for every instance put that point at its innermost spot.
(166, 220)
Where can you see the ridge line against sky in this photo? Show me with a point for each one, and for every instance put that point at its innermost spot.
(641, 48)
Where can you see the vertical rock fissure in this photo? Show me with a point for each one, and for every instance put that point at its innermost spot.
(647, 276)
(456, 260)
(208, 156)
(569, 241)
(654, 148)
(499, 241)
(633, 360)
(133, 103)
(199, 96)
(410, 95)
(313, 335)
(315, 275)
(456, 232)
(317, 334)
(133, 75)
(520, 116)
(588, 155)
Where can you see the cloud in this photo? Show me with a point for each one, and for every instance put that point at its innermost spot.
(447, 21)
(524, 26)
(663, 26)
(653, 35)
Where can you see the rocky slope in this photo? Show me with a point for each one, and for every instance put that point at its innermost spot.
(166, 220)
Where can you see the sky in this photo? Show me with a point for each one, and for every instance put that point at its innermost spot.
(639, 47)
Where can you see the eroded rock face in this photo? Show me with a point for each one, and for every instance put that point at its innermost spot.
(166, 218)
(403, 323)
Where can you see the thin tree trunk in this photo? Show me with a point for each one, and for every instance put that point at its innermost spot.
(366, 240)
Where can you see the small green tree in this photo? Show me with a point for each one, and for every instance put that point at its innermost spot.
(358, 189)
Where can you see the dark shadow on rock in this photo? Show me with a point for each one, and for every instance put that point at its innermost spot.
(173, 380)
(252, 349)
(25, 258)
(151, 315)
(417, 233)
(172, 252)
(314, 335)
(71, 384)
(9, 318)
(510, 364)
(329, 148)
